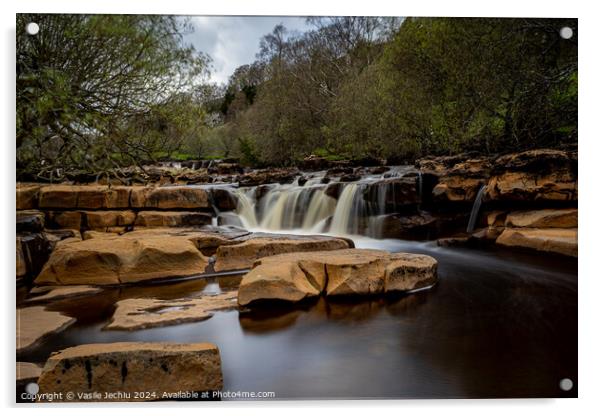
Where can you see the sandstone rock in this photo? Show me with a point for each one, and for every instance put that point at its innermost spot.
(27, 372)
(223, 199)
(134, 314)
(102, 220)
(131, 367)
(496, 218)
(20, 260)
(30, 220)
(27, 195)
(293, 277)
(535, 175)
(113, 259)
(84, 196)
(34, 251)
(36, 323)
(393, 192)
(554, 240)
(243, 255)
(545, 218)
(265, 176)
(172, 219)
(65, 219)
(170, 197)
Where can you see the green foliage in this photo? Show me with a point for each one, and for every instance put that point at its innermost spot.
(84, 79)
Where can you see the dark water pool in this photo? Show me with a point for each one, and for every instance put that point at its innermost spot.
(498, 324)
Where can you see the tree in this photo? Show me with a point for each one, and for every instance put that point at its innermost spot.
(83, 79)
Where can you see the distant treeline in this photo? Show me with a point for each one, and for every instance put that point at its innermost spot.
(98, 92)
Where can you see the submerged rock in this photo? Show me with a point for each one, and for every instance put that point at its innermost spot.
(153, 369)
(133, 314)
(52, 293)
(243, 255)
(554, 240)
(36, 323)
(295, 277)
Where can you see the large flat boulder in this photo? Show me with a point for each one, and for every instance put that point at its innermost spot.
(294, 277)
(544, 218)
(36, 323)
(170, 197)
(553, 240)
(172, 219)
(140, 313)
(243, 255)
(158, 370)
(113, 259)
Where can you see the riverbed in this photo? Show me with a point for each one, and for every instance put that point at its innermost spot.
(498, 324)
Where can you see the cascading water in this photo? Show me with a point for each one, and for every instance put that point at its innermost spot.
(360, 208)
(475, 209)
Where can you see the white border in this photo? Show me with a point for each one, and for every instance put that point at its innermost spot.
(590, 127)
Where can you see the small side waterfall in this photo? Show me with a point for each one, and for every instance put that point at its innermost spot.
(246, 207)
(475, 209)
(343, 213)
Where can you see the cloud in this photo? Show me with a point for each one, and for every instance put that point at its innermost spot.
(232, 41)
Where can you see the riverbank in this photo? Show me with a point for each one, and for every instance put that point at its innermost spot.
(288, 237)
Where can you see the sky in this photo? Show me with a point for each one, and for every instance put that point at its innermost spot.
(232, 41)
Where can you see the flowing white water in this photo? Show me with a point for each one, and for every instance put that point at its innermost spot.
(360, 208)
(475, 210)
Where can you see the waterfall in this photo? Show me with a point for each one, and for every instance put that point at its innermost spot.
(347, 216)
(320, 208)
(246, 207)
(475, 210)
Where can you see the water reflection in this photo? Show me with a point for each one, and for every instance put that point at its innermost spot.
(498, 324)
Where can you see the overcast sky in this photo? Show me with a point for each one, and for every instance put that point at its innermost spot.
(232, 41)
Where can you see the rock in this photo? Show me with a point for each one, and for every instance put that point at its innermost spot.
(534, 175)
(102, 220)
(350, 177)
(266, 176)
(113, 259)
(223, 199)
(20, 260)
(170, 197)
(27, 195)
(35, 249)
(554, 240)
(84, 196)
(408, 272)
(30, 220)
(65, 219)
(50, 293)
(134, 314)
(545, 218)
(462, 182)
(496, 218)
(242, 256)
(128, 368)
(27, 372)
(313, 162)
(172, 219)
(36, 323)
(228, 168)
(294, 277)
(393, 192)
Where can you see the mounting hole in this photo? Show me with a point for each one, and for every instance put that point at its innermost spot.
(566, 384)
(32, 28)
(32, 388)
(566, 32)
